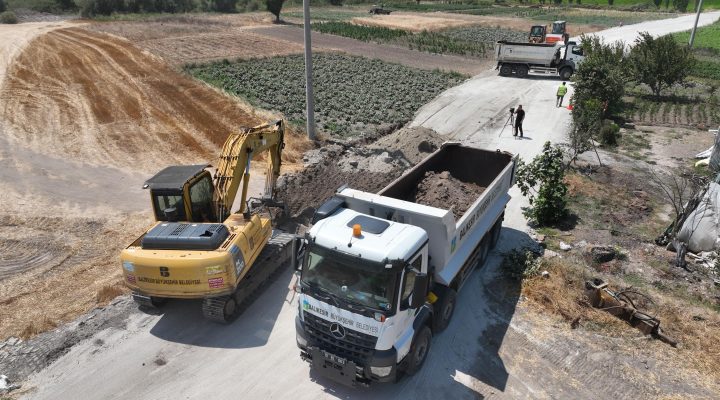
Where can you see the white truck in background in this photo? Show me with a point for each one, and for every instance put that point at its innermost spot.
(380, 274)
(556, 59)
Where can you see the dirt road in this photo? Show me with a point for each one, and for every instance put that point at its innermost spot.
(389, 53)
(492, 349)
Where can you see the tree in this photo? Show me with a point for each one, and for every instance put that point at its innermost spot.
(681, 5)
(586, 125)
(226, 6)
(601, 75)
(659, 62)
(3, 7)
(275, 6)
(542, 181)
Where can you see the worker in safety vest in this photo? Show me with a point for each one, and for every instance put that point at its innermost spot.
(561, 92)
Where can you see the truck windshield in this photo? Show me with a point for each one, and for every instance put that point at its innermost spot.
(348, 278)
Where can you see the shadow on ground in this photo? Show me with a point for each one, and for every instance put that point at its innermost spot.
(182, 320)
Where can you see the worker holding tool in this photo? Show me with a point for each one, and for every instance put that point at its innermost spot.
(561, 92)
(519, 117)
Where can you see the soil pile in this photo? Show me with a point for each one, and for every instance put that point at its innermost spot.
(414, 143)
(442, 190)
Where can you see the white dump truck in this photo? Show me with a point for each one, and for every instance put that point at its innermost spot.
(380, 273)
(556, 59)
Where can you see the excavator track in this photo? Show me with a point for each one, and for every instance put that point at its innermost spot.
(265, 269)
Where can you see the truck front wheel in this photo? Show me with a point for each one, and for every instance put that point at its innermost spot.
(444, 310)
(566, 73)
(418, 351)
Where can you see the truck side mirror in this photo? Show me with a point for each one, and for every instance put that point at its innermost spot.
(419, 291)
(298, 253)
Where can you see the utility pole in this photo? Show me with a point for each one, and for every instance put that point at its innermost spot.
(309, 101)
(697, 17)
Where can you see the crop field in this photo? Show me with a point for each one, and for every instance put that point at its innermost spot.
(603, 18)
(466, 41)
(707, 37)
(353, 95)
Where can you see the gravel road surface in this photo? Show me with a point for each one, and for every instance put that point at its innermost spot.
(491, 349)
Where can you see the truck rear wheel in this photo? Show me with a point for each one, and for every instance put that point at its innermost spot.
(418, 351)
(522, 71)
(566, 73)
(505, 70)
(444, 310)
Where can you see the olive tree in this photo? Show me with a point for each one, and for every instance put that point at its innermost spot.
(659, 62)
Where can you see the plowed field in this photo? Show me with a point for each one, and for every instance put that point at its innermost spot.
(101, 100)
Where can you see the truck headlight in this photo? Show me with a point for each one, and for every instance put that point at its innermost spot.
(381, 371)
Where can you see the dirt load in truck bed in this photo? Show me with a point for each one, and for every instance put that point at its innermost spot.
(442, 190)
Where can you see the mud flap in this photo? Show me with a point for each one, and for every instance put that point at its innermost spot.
(330, 366)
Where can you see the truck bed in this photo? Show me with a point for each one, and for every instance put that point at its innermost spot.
(546, 54)
(450, 238)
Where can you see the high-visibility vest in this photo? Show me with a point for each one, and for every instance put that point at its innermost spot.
(562, 90)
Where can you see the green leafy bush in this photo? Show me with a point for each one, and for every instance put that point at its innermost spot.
(542, 181)
(8, 17)
(609, 133)
(521, 264)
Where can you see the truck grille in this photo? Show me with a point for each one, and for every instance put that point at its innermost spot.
(354, 346)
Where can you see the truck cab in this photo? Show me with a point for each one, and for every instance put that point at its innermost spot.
(362, 287)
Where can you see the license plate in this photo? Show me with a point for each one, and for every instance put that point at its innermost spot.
(334, 358)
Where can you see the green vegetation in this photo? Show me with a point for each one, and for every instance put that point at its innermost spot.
(659, 63)
(353, 95)
(707, 37)
(8, 17)
(468, 41)
(542, 181)
(359, 32)
(521, 264)
(48, 6)
(3, 7)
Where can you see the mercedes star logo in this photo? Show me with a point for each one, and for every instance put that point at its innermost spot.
(337, 330)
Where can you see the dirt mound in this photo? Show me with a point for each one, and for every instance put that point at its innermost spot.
(99, 99)
(308, 189)
(413, 143)
(442, 190)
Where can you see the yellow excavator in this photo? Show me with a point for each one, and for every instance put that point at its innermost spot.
(198, 248)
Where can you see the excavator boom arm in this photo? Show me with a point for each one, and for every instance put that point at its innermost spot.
(234, 166)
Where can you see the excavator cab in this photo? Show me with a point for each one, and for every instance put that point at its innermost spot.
(537, 34)
(182, 193)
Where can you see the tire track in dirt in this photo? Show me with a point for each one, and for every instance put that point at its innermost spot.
(99, 99)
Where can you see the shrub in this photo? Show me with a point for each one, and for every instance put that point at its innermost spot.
(542, 181)
(8, 17)
(521, 264)
(275, 6)
(3, 7)
(219, 5)
(336, 2)
(609, 133)
(681, 5)
(252, 5)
